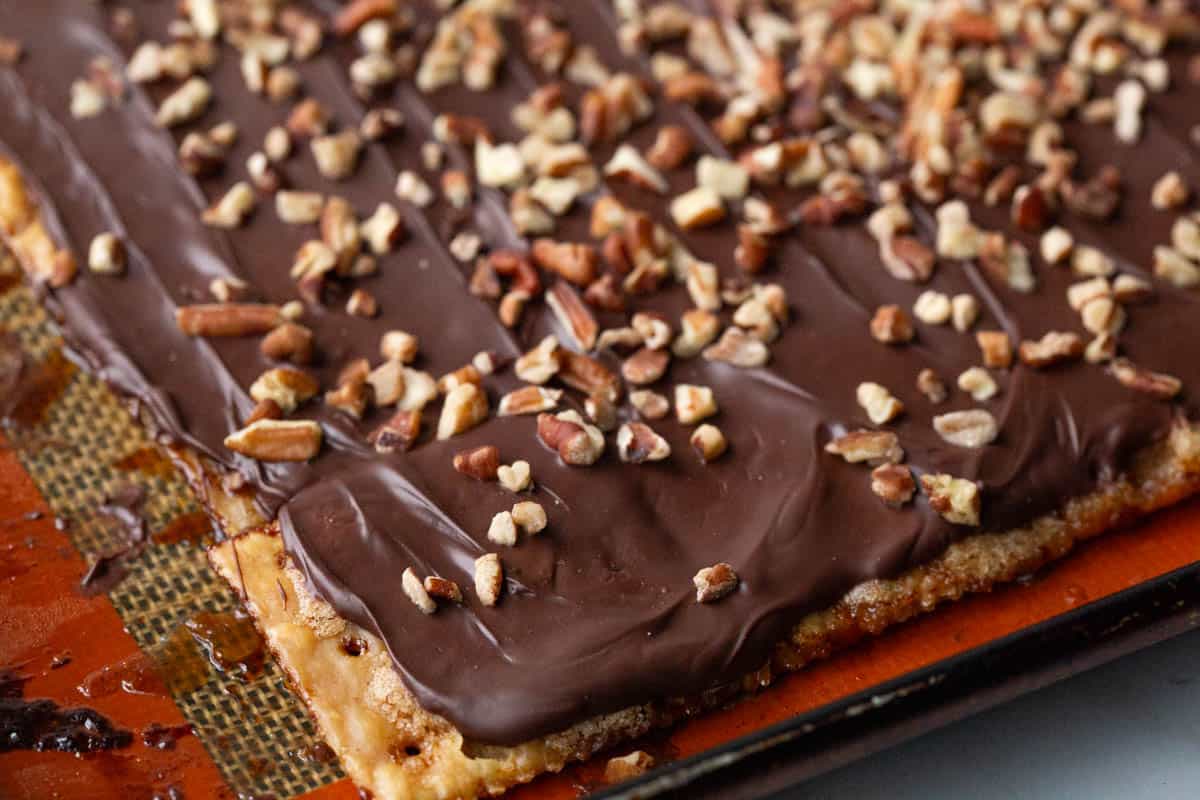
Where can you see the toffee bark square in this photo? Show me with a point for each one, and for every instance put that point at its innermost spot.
(547, 366)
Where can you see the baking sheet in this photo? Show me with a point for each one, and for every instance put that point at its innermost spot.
(71, 447)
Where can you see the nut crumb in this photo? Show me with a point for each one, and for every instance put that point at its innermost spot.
(715, 582)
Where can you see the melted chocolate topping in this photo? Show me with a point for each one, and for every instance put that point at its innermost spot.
(599, 611)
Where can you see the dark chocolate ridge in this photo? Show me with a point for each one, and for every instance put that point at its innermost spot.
(599, 612)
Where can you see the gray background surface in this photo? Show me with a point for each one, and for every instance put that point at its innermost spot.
(1128, 729)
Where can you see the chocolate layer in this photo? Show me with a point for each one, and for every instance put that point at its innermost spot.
(600, 610)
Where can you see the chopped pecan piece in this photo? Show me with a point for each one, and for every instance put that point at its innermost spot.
(299, 208)
(698, 328)
(480, 463)
(1055, 245)
(654, 330)
(972, 429)
(362, 303)
(637, 443)
(627, 767)
(893, 484)
(541, 363)
(231, 210)
(398, 345)
(489, 578)
(996, 348)
(465, 407)
(627, 164)
(708, 442)
(891, 325)
(881, 406)
(1170, 191)
(443, 589)
(1054, 347)
(185, 104)
(650, 404)
(383, 229)
(978, 382)
(873, 447)
(571, 261)
(672, 146)
(694, 403)
(337, 154)
(930, 384)
(288, 388)
(515, 477)
(572, 314)
(577, 443)
(529, 516)
(467, 373)
(503, 530)
(227, 319)
(398, 433)
(738, 348)
(1140, 379)
(957, 500)
(932, 308)
(289, 342)
(645, 366)
(277, 440)
(752, 251)
(106, 255)
(414, 589)
(589, 376)
(387, 383)
(715, 582)
(697, 208)
(529, 400)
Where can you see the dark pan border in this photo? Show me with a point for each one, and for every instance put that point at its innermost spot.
(788, 752)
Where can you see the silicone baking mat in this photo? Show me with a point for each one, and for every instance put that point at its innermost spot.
(153, 640)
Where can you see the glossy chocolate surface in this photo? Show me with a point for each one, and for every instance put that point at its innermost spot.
(599, 611)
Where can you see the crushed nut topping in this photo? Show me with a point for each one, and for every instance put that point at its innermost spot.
(891, 325)
(930, 384)
(516, 477)
(979, 383)
(708, 442)
(577, 442)
(503, 530)
(1141, 379)
(106, 255)
(481, 463)
(893, 484)
(957, 500)
(881, 406)
(996, 348)
(489, 578)
(529, 516)
(277, 440)
(972, 429)
(637, 443)
(873, 447)
(414, 589)
(465, 407)
(1052, 348)
(714, 583)
(694, 403)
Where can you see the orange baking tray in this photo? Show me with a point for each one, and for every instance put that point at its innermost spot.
(1116, 593)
